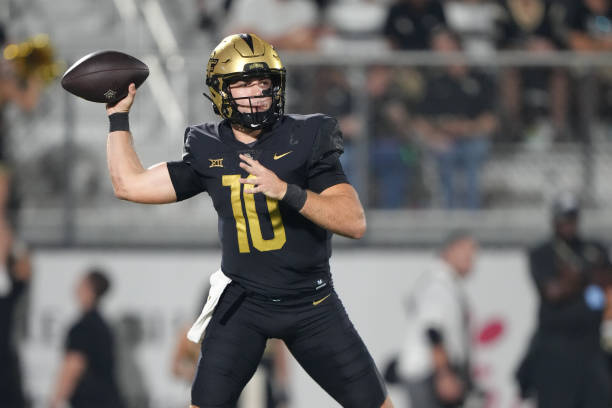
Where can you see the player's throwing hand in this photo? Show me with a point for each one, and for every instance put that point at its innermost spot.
(123, 105)
(263, 180)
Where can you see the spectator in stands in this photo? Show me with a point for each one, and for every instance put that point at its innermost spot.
(209, 11)
(394, 154)
(475, 21)
(87, 376)
(23, 92)
(589, 29)
(296, 25)
(434, 362)
(14, 280)
(355, 25)
(410, 23)
(589, 25)
(331, 95)
(565, 366)
(456, 121)
(533, 98)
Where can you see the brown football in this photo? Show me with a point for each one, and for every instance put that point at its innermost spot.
(104, 76)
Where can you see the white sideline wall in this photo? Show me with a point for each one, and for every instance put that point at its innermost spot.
(164, 289)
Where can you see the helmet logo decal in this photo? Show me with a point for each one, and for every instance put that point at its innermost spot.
(212, 63)
(249, 40)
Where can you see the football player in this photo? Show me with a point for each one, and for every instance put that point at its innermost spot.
(280, 192)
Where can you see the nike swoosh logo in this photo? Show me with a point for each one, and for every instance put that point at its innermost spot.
(316, 302)
(278, 156)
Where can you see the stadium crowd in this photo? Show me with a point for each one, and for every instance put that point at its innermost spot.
(442, 154)
(532, 106)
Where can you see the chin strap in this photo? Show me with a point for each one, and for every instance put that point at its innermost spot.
(208, 97)
(247, 126)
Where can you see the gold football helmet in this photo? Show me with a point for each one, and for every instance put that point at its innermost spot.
(242, 57)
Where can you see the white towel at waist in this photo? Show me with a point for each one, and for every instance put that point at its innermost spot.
(218, 283)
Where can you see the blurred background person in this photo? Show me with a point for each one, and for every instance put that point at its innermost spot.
(588, 28)
(589, 25)
(475, 22)
(210, 13)
(186, 353)
(534, 100)
(394, 153)
(129, 335)
(411, 23)
(296, 25)
(435, 362)
(14, 281)
(456, 122)
(21, 84)
(87, 376)
(564, 365)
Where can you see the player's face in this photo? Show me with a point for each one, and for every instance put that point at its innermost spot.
(462, 255)
(567, 227)
(248, 95)
(85, 294)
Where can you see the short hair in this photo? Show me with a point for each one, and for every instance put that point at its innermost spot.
(99, 282)
(454, 237)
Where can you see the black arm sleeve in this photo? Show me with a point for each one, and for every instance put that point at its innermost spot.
(77, 339)
(185, 179)
(324, 169)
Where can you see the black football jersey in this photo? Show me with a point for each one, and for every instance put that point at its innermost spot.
(268, 247)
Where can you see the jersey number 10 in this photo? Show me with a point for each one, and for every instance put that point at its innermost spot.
(233, 182)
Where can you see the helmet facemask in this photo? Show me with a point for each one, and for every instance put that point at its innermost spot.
(254, 119)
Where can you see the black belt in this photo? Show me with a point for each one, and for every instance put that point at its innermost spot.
(244, 292)
(284, 298)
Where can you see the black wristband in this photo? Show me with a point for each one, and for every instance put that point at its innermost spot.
(119, 121)
(295, 197)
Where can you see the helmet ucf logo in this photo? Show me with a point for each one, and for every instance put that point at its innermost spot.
(212, 62)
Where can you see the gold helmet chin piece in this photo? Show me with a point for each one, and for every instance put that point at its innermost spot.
(240, 57)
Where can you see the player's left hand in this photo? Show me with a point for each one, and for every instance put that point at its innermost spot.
(263, 180)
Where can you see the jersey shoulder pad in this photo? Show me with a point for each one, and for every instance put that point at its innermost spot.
(203, 131)
(311, 119)
(328, 140)
(196, 137)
